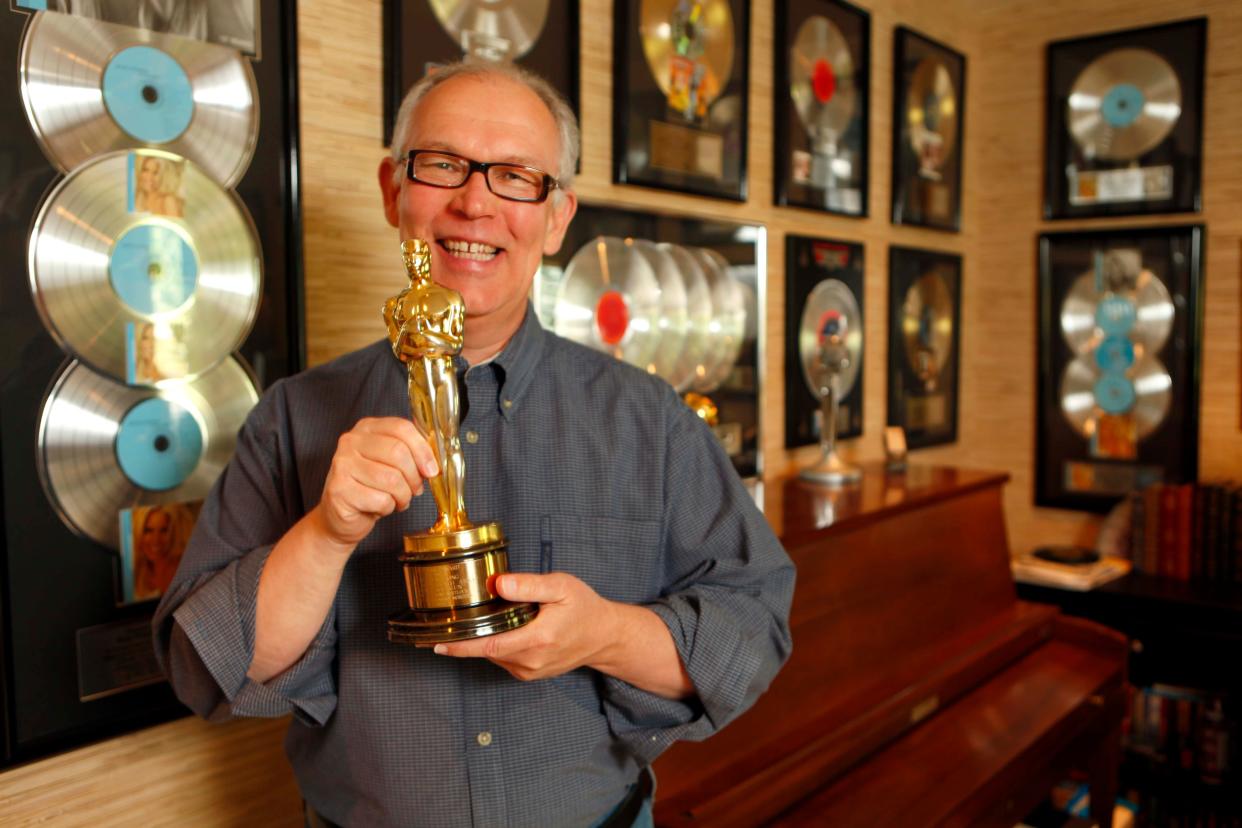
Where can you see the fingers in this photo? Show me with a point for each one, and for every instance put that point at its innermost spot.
(537, 589)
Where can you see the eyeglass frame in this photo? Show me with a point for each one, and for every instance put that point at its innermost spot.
(550, 183)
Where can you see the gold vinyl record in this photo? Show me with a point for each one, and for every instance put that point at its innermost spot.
(91, 87)
(610, 300)
(674, 317)
(927, 328)
(822, 79)
(691, 365)
(831, 326)
(1143, 391)
(1122, 300)
(104, 446)
(728, 325)
(492, 29)
(1123, 104)
(111, 257)
(931, 114)
(689, 49)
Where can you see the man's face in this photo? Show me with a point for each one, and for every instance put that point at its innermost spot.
(482, 246)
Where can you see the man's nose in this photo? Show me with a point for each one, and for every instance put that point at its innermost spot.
(474, 199)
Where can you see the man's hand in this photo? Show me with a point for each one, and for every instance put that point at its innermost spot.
(576, 627)
(378, 468)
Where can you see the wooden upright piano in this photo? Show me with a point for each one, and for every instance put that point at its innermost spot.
(920, 691)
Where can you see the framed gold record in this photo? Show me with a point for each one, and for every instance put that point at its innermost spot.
(1119, 328)
(680, 84)
(924, 332)
(822, 69)
(1124, 121)
(929, 104)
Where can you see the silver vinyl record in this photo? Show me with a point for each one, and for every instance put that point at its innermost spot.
(691, 362)
(927, 327)
(103, 270)
(831, 316)
(91, 87)
(492, 29)
(674, 319)
(1122, 300)
(728, 325)
(822, 79)
(1123, 104)
(610, 300)
(104, 446)
(1087, 392)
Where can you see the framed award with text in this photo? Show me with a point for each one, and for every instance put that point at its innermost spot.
(823, 75)
(680, 83)
(1120, 316)
(823, 299)
(1125, 122)
(420, 35)
(929, 105)
(924, 329)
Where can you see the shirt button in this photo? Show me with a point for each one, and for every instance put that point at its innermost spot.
(472, 436)
(508, 403)
(484, 738)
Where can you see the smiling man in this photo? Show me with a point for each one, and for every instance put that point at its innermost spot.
(663, 594)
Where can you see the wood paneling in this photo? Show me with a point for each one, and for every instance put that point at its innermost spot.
(351, 267)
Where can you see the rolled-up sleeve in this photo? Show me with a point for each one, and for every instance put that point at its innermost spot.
(726, 604)
(204, 627)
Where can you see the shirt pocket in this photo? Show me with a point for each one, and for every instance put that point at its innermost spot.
(618, 558)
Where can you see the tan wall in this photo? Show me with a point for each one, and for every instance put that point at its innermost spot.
(351, 268)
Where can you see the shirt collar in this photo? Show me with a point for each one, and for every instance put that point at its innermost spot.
(517, 363)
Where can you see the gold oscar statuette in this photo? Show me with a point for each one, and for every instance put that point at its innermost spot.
(450, 569)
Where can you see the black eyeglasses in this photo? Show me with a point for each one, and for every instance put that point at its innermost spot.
(514, 182)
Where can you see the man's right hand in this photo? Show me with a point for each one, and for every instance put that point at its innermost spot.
(378, 468)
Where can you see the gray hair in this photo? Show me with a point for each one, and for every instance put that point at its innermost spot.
(566, 123)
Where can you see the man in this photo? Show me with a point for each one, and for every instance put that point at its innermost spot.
(663, 594)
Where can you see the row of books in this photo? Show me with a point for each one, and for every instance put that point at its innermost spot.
(1191, 531)
(1184, 731)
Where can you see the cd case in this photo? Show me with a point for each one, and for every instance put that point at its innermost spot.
(1125, 122)
(420, 35)
(680, 86)
(929, 106)
(812, 265)
(924, 331)
(823, 61)
(1120, 322)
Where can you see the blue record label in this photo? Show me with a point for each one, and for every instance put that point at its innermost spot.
(1115, 355)
(1114, 394)
(148, 94)
(1122, 105)
(1115, 315)
(153, 269)
(158, 444)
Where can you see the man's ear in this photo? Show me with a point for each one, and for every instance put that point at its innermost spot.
(558, 222)
(390, 188)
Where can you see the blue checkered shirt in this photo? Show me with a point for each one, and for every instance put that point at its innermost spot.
(593, 468)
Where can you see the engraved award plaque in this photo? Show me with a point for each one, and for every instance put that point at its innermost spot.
(450, 569)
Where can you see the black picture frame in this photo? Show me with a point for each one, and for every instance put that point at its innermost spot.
(1096, 353)
(77, 663)
(927, 175)
(821, 166)
(654, 144)
(924, 336)
(1145, 177)
(737, 397)
(808, 261)
(415, 40)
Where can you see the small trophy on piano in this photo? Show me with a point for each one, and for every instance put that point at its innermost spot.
(830, 344)
(451, 568)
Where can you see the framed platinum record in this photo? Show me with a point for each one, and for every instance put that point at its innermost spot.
(1125, 122)
(680, 298)
(823, 60)
(1120, 316)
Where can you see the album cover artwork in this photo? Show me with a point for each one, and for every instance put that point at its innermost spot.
(680, 85)
(823, 72)
(1119, 337)
(1125, 115)
(929, 105)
